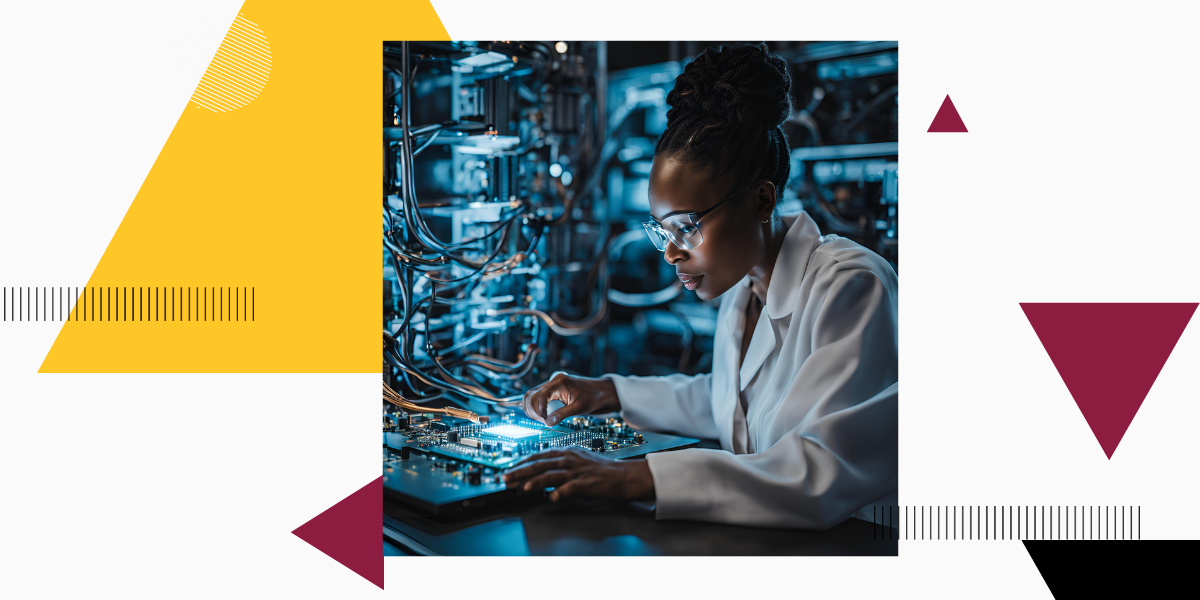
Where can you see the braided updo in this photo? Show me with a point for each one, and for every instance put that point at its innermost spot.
(727, 110)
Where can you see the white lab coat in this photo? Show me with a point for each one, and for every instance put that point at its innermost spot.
(823, 417)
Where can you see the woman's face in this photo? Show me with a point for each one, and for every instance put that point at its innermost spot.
(734, 241)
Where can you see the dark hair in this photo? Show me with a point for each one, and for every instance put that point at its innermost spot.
(727, 110)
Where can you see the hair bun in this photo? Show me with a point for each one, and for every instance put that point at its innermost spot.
(741, 85)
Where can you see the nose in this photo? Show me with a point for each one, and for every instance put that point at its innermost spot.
(673, 254)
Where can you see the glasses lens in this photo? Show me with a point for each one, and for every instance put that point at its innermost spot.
(682, 231)
(656, 235)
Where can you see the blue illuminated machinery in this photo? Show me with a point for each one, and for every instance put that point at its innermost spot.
(514, 184)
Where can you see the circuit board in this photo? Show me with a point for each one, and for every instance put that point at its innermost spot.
(443, 464)
(500, 444)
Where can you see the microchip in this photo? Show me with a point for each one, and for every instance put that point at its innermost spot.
(514, 432)
(472, 442)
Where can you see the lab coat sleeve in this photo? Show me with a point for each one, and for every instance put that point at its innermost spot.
(674, 403)
(841, 456)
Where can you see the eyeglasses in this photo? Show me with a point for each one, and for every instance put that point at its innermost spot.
(683, 229)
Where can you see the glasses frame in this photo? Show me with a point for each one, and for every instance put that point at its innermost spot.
(694, 217)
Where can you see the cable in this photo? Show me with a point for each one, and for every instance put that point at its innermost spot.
(395, 398)
(393, 93)
(422, 259)
(512, 215)
(427, 142)
(505, 373)
(484, 265)
(467, 342)
(564, 330)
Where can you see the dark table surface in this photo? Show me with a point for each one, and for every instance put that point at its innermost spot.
(533, 526)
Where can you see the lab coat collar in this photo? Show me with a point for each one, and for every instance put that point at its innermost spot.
(762, 344)
(801, 239)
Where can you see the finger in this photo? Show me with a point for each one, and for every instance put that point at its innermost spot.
(562, 389)
(570, 488)
(539, 397)
(534, 468)
(534, 403)
(543, 455)
(569, 409)
(572, 452)
(552, 478)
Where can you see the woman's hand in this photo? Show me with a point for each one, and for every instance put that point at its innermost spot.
(579, 395)
(578, 472)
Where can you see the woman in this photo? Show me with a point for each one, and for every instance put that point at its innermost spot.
(803, 393)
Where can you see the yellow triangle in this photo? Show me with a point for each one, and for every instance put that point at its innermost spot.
(279, 197)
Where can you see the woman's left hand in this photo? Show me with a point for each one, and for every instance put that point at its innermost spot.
(578, 472)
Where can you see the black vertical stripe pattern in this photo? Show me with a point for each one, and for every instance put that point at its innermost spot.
(133, 303)
(997, 522)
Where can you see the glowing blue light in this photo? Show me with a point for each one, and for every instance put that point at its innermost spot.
(555, 169)
(512, 431)
(566, 178)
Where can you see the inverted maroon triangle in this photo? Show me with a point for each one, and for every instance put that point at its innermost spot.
(947, 119)
(1108, 355)
(350, 532)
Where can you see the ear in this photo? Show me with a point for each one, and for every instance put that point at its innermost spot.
(765, 200)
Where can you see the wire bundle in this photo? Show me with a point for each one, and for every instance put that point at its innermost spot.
(429, 272)
(432, 273)
(393, 397)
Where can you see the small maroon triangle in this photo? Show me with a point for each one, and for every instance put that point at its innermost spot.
(349, 532)
(1109, 356)
(947, 119)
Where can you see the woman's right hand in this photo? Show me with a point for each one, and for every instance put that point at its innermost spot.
(579, 395)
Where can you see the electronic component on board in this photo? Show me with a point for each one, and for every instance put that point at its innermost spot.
(501, 444)
(465, 463)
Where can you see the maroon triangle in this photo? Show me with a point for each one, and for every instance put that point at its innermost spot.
(947, 119)
(1109, 356)
(350, 532)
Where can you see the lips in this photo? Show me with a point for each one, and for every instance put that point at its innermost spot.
(690, 281)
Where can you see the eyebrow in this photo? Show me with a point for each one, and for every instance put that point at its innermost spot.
(671, 214)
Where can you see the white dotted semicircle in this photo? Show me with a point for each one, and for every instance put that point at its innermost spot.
(239, 70)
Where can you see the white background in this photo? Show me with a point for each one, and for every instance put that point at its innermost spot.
(1074, 184)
